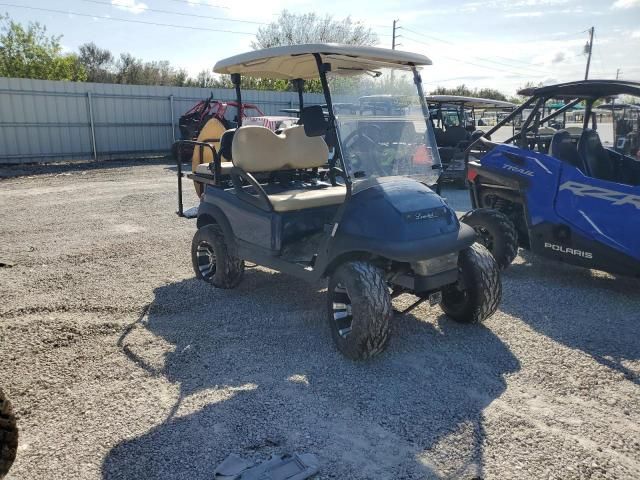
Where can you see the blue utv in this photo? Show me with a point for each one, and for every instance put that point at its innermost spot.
(564, 194)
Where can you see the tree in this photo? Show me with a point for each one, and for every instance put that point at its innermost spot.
(463, 90)
(32, 53)
(98, 62)
(292, 29)
(517, 98)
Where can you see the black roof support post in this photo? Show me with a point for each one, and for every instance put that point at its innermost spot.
(235, 78)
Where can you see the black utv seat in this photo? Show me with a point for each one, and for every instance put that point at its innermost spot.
(563, 148)
(454, 135)
(596, 158)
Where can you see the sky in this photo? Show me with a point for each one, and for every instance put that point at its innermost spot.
(500, 44)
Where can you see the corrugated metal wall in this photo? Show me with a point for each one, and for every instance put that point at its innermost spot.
(44, 121)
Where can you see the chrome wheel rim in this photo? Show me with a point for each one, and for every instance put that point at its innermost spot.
(206, 260)
(341, 310)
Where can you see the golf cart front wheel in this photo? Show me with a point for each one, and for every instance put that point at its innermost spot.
(359, 310)
(213, 260)
(496, 232)
(8, 435)
(478, 291)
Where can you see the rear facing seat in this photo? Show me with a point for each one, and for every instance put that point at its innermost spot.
(225, 153)
(225, 168)
(258, 149)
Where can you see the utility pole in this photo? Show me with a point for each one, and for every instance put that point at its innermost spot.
(618, 74)
(394, 36)
(589, 49)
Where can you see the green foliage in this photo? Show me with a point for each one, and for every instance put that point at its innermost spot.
(98, 62)
(31, 53)
(463, 90)
(207, 79)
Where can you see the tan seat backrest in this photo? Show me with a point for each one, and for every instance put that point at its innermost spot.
(258, 149)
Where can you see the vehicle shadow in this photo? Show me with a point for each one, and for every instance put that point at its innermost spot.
(605, 309)
(258, 374)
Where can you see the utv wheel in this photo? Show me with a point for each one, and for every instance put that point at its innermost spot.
(496, 232)
(478, 291)
(359, 310)
(213, 260)
(8, 435)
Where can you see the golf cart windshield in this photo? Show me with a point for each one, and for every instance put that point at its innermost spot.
(388, 134)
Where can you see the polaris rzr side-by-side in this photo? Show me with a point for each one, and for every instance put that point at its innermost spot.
(330, 198)
(562, 194)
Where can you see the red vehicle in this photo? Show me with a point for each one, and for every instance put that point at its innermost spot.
(208, 120)
(194, 121)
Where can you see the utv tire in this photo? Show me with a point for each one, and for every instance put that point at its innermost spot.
(478, 292)
(8, 435)
(213, 260)
(496, 232)
(359, 310)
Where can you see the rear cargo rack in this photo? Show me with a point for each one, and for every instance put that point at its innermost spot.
(208, 179)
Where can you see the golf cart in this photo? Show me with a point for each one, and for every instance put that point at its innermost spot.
(8, 435)
(454, 119)
(322, 199)
(574, 201)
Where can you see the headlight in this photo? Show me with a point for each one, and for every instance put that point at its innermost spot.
(436, 265)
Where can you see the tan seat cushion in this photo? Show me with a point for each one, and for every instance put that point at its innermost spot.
(258, 149)
(225, 168)
(301, 199)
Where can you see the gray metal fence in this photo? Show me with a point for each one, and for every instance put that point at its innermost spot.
(45, 121)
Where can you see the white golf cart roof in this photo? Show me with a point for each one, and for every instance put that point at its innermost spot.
(297, 61)
(474, 102)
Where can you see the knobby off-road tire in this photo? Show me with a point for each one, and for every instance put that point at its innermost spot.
(359, 310)
(478, 292)
(496, 232)
(8, 435)
(213, 260)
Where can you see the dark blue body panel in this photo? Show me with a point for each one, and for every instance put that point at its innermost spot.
(397, 209)
(401, 219)
(396, 218)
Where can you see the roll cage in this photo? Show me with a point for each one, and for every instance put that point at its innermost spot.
(462, 105)
(571, 94)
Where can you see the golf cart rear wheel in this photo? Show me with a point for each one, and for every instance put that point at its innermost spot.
(359, 310)
(213, 260)
(496, 232)
(8, 435)
(478, 291)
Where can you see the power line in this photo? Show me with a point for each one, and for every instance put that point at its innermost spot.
(496, 56)
(126, 20)
(480, 58)
(171, 12)
(199, 4)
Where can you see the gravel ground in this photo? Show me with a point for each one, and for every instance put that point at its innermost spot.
(121, 365)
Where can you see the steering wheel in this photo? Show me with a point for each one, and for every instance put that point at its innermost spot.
(363, 149)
